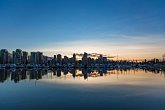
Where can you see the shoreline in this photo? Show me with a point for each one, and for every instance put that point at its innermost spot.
(156, 67)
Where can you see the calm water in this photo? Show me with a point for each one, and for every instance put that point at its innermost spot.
(82, 90)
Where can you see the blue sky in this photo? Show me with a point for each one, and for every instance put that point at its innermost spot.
(130, 28)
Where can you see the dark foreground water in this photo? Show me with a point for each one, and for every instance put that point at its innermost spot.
(82, 90)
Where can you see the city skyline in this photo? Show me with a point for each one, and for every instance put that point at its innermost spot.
(131, 29)
(94, 55)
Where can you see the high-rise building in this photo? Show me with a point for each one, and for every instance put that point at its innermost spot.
(36, 58)
(59, 58)
(10, 58)
(100, 59)
(14, 57)
(25, 57)
(45, 60)
(66, 59)
(85, 58)
(74, 57)
(39, 57)
(17, 56)
(33, 58)
(54, 60)
(55, 57)
(4, 55)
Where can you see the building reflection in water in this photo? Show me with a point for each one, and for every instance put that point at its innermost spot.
(17, 75)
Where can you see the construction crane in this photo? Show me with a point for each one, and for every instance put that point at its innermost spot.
(163, 57)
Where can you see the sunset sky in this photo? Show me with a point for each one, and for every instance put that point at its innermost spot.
(127, 28)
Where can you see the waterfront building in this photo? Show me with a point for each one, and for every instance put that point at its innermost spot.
(74, 57)
(17, 56)
(4, 56)
(10, 59)
(65, 60)
(33, 58)
(25, 58)
(45, 59)
(59, 58)
(39, 57)
(36, 58)
(14, 57)
(100, 59)
(55, 58)
(85, 59)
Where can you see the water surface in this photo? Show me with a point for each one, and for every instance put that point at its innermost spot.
(84, 89)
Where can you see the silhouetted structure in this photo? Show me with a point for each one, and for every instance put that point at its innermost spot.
(21, 59)
(4, 56)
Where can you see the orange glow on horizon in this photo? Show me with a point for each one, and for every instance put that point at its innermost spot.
(119, 51)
